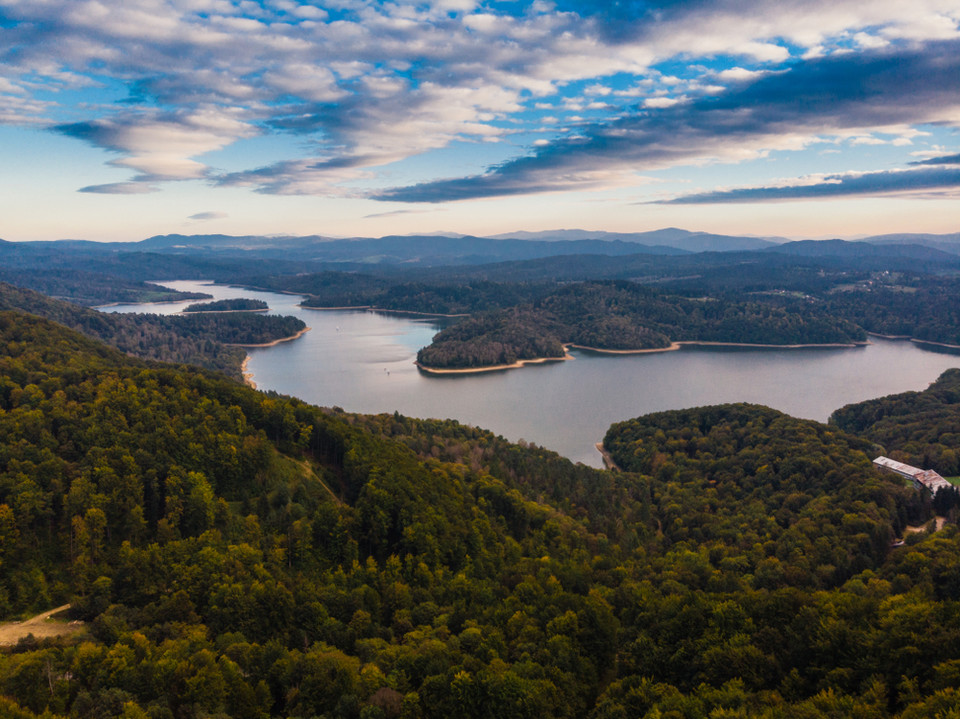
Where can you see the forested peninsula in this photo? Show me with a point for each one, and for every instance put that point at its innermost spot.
(233, 553)
(200, 339)
(626, 316)
(93, 288)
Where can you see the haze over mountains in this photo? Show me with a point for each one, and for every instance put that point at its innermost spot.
(444, 249)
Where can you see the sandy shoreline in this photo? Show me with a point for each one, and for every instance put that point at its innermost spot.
(247, 374)
(674, 346)
(184, 313)
(608, 462)
(889, 337)
(815, 345)
(935, 344)
(275, 342)
(158, 302)
(493, 368)
(700, 343)
(371, 308)
(336, 309)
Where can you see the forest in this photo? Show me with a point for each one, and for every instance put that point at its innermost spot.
(919, 428)
(239, 304)
(92, 288)
(241, 554)
(625, 316)
(199, 339)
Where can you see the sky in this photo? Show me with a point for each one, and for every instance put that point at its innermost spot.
(122, 119)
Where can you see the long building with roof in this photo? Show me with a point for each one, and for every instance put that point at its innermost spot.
(920, 477)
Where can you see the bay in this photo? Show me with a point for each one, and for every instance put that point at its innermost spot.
(363, 362)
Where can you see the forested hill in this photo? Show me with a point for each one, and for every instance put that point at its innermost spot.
(626, 316)
(92, 288)
(237, 554)
(919, 428)
(197, 339)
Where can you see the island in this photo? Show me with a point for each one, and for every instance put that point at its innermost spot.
(238, 304)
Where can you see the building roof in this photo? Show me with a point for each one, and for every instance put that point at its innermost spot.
(899, 467)
(927, 477)
(932, 481)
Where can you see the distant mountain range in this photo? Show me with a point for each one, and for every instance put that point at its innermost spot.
(314, 252)
(667, 237)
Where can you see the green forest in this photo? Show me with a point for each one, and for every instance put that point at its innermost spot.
(240, 554)
(201, 340)
(93, 288)
(239, 304)
(625, 316)
(527, 309)
(919, 428)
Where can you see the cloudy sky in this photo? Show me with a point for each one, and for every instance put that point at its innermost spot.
(121, 119)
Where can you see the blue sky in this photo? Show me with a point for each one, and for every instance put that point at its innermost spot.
(799, 118)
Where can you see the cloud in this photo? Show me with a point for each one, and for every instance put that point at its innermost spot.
(394, 213)
(944, 160)
(371, 83)
(120, 188)
(842, 94)
(870, 183)
(208, 216)
(161, 146)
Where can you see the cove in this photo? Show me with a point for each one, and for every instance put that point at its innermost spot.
(363, 362)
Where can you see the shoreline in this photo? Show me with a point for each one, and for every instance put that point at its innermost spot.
(671, 348)
(814, 345)
(890, 337)
(494, 368)
(335, 309)
(608, 462)
(373, 308)
(157, 302)
(184, 313)
(275, 342)
(935, 344)
(674, 346)
(247, 374)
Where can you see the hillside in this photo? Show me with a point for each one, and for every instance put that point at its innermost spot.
(199, 339)
(920, 428)
(246, 555)
(623, 316)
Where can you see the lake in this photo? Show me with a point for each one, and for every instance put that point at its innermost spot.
(363, 362)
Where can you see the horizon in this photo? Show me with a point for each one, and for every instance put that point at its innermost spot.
(354, 118)
(777, 239)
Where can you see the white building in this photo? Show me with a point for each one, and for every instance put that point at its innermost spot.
(920, 477)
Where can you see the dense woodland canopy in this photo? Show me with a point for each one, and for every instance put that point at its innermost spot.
(201, 340)
(238, 304)
(93, 288)
(919, 428)
(626, 316)
(802, 293)
(240, 554)
(794, 293)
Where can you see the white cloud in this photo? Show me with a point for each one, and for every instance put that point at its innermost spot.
(384, 81)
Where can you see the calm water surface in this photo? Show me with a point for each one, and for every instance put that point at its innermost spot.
(363, 362)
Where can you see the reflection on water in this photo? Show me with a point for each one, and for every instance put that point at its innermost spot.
(363, 362)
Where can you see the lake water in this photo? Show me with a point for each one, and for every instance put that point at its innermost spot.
(363, 362)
